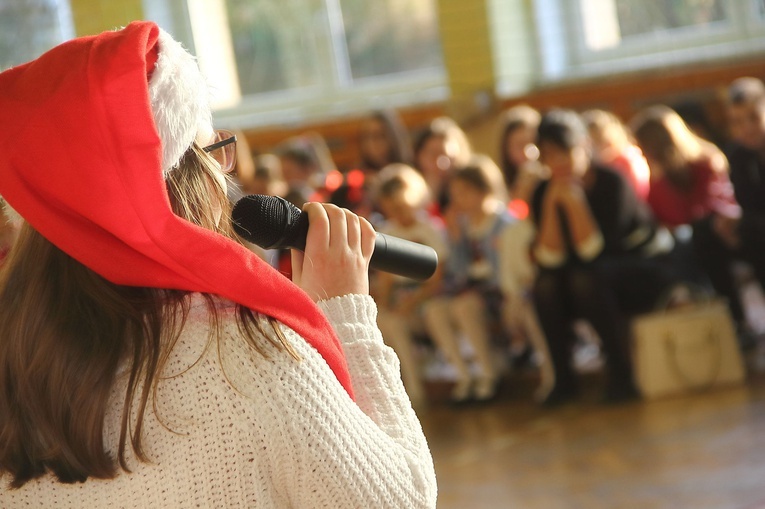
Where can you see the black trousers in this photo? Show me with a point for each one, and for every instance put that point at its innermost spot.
(606, 292)
(716, 258)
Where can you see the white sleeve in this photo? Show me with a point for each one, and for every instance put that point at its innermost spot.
(371, 453)
(549, 258)
(591, 247)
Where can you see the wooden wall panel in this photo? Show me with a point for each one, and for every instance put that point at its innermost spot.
(624, 95)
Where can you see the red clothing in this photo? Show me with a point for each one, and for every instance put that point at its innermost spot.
(95, 187)
(633, 166)
(711, 192)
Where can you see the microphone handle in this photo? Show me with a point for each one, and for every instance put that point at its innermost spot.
(404, 258)
(391, 254)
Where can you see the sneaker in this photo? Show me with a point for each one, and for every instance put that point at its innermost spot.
(461, 391)
(485, 389)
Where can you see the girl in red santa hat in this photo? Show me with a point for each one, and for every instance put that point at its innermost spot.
(147, 359)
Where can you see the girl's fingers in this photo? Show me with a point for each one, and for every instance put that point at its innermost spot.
(353, 225)
(339, 245)
(368, 237)
(319, 231)
(338, 226)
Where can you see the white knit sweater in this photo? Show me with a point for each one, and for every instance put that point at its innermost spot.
(267, 433)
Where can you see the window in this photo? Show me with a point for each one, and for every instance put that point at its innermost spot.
(29, 28)
(623, 21)
(290, 60)
(590, 37)
(387, 37)
(275, 45)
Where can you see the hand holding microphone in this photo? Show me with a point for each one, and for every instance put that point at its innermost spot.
(271, 222)
(338, 248)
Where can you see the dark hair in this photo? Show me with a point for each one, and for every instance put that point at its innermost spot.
(398, 137)
(299, 155)
(421, 138)
(473, 176)
(446, 128)
(563, 128)
(484, 175)
(746, 91)
(518, 117)
(391, 187)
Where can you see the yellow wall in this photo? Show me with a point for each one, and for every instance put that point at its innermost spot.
(466, 42)
(95, 16)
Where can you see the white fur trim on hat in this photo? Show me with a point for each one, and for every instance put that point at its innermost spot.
(180, 100)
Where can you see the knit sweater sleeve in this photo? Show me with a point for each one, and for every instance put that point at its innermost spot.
(371, 453)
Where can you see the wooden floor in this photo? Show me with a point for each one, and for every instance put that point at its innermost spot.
(701, 451)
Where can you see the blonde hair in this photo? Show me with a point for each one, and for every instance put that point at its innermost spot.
(665, 137)
(194, 185)
(401, 178)
(605, 125)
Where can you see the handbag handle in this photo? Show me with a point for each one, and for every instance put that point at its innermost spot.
(714, 372)
(688, 293)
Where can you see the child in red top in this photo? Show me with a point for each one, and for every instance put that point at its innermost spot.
(691, 186)
(704, 188)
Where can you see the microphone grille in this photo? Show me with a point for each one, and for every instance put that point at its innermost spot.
(263, 220)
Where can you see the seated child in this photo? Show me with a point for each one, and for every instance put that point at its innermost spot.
(403, 197)
(477, 219)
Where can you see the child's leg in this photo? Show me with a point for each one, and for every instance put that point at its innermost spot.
(438, 320)
(469, 311)
(537, 339)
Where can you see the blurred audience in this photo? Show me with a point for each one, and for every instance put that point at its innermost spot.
(689, 174)
(691, 186)
(256, 174)
(403, 197)
(746, 153)
(305, 163)
(267, 177)
(612, 146)
(438, 149)
(574, 226)
(595, 248)
(471, 292)
(519, 154)
(522, 172)
(383, 140)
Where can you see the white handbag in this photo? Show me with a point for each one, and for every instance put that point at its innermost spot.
(686, 349)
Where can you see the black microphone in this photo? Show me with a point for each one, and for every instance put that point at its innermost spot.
(274, 223)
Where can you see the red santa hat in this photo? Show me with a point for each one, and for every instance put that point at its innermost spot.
(88, 131)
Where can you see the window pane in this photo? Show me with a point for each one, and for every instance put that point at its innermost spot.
(391, 36)
(275, 43)
(29, 28)
(760, 7)
(641, 16)
(608, 23)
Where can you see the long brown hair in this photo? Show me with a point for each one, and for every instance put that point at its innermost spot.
(65, 331)
(664, 137)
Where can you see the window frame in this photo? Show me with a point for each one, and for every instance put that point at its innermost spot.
(336, 94)
(567, 57)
